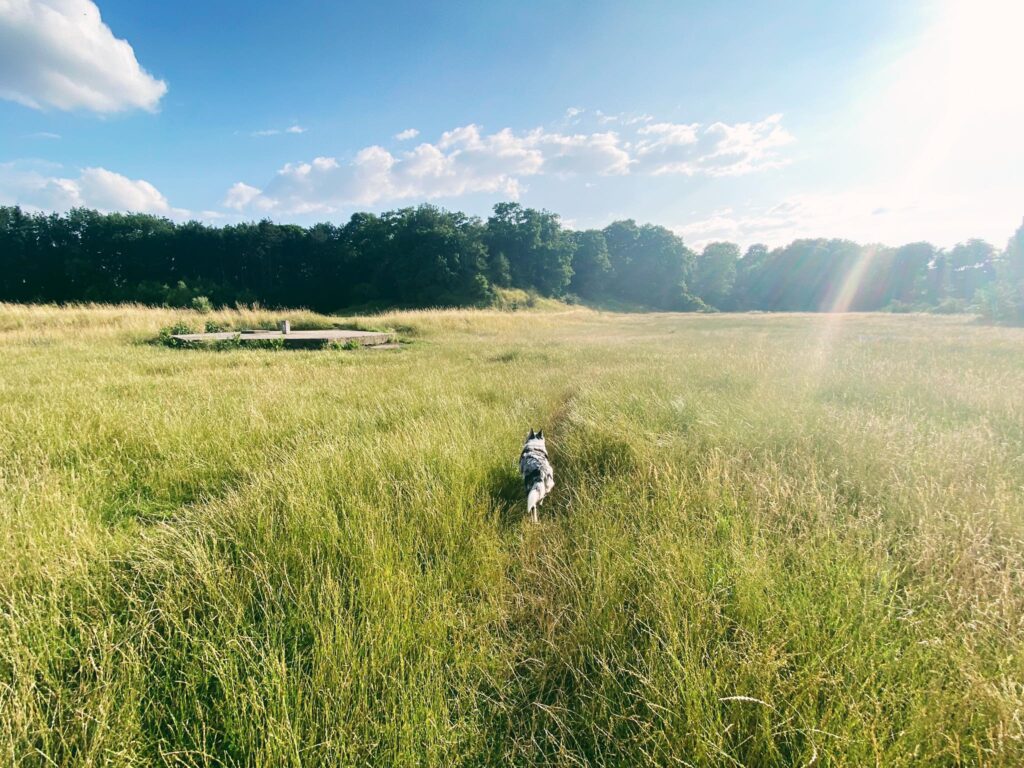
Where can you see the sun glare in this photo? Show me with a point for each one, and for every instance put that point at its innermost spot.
(959, 89)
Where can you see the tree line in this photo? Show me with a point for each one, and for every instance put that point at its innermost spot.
(428, 256)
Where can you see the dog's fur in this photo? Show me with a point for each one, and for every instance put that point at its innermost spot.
(538, 475)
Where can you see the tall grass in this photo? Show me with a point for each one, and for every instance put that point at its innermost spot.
(775, 540)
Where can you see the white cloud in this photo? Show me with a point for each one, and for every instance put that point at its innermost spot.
(408, 133)
(44, 135)
(772, 225)
(572, 115)
(293, 129)
(667, 148)
(240, 195)
(59, 53)
(581, 154)
(719, 149)
(109, 191)
(866, 215)
(626, 118)
(743, 147)
(467, 160)
(37, 186)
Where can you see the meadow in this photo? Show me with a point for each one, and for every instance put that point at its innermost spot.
(775, 540)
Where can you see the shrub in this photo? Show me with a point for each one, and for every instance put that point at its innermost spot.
(901, 307)
(168, 332)
(1002, 303)
(212, 326)
(348, 344)
(202, 304)
(950, 306)
(271, 344)
(225, 345)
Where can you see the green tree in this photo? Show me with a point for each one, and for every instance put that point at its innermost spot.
(1012, 264)
(425, 256)
(538, 250)
(1003, 300)
(650, 266)
(715, 273)
(435, 256)
(972, 266)
(591, 266)
(748, 288)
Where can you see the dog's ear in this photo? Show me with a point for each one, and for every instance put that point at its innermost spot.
(540, 435)
(531, 435)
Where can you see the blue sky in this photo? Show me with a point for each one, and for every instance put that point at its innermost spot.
(755, 122)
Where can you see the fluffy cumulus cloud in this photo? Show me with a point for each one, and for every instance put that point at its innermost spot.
(240, 196)
(582, 153)
(469, 160)
(719, 149)
(408, 133)
(59, 53)
(463, 161)
(41, 186)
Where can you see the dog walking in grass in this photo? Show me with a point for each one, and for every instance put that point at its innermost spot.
(538, 475)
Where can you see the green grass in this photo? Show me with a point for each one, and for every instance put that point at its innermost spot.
(775, 540)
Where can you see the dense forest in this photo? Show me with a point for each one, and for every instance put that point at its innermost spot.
(427, 256)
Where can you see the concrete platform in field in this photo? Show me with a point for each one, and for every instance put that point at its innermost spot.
(308, 339)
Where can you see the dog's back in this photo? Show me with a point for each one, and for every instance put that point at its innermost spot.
(538, 475)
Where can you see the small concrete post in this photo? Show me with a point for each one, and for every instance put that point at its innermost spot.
(284, 326)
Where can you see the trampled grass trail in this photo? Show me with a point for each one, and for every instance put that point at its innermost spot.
(774, 541)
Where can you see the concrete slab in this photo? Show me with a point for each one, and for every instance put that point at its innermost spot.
(312, 339)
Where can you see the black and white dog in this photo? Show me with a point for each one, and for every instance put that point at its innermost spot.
(537, 472)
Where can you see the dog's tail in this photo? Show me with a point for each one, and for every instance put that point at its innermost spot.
(533, 497)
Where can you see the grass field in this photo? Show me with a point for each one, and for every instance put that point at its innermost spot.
(775, 540)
